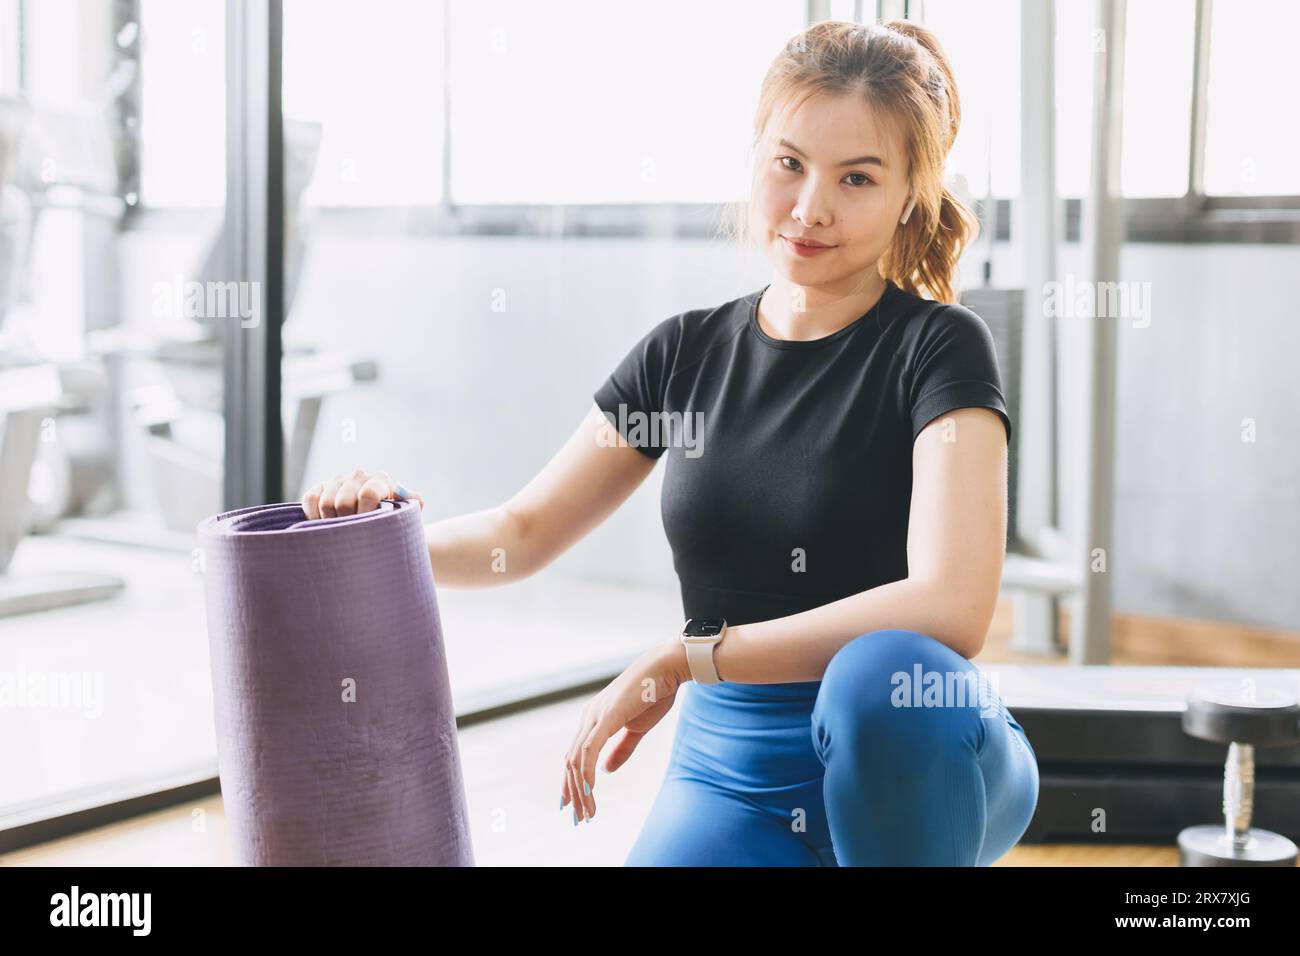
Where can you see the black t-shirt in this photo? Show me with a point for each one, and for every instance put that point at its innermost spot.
(789, 474)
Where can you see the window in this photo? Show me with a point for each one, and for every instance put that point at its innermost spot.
(610, 103)
(1252, 138)
(183, 103)
(602, 105)
(1159, 47)
(9, 59)
(848, 10)
(982, 41)
(369, 88)
(1076, 39)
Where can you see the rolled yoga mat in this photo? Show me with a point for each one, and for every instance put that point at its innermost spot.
(336, 738)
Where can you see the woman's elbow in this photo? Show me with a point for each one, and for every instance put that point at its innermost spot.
(973, 621)
(963, 617)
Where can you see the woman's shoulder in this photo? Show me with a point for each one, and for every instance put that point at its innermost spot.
(693, 332)
(917, 319)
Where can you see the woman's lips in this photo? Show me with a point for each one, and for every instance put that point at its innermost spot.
(805, 252)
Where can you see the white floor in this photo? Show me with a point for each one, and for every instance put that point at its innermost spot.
(153, 722)
(514, 803)
(512, 768)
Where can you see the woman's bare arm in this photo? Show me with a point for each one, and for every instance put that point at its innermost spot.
(589, 477)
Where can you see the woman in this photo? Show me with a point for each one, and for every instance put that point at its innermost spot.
(837, 513)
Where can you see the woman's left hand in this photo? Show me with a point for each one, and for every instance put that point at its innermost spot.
(634, 700)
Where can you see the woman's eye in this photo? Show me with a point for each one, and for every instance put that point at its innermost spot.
(866, 180)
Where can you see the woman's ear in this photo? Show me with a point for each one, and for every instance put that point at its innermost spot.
(908, 211)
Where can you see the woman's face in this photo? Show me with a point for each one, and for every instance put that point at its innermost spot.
(829, 171)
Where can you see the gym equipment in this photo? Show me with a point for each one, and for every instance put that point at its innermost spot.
(1116, 766)
(31, 395)
(35, 391)
(1237, 715)
(1038, 570)
(336, 736)
(1003, 312)
(189, 354)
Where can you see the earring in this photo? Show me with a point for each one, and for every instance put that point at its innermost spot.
(908, 211)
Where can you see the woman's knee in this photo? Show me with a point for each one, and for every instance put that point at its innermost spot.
(885, 663)
(898, 682)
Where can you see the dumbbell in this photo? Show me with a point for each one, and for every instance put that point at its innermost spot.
(1243, 719)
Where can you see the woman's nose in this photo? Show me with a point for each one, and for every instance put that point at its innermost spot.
(812, 209)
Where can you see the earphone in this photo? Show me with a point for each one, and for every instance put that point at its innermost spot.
(908, 211)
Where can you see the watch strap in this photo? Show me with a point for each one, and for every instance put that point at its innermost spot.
(699, 657)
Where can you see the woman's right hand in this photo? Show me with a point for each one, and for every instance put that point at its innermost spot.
(353, 494)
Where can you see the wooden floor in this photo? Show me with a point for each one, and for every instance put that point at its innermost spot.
(167, 838)
(513, 802)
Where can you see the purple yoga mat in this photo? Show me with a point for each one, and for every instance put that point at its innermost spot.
(296, 609)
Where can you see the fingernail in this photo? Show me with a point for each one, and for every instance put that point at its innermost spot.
(586, 788)
(561, 803)
(402, 490)
(575, 816)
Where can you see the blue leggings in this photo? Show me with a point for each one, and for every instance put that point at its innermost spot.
(891, 759)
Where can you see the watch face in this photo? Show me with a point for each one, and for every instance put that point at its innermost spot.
(704, 627)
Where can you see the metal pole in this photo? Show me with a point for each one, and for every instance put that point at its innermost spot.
(1200, 94)
(253, 243)
(1035, 621)
(1103, 234)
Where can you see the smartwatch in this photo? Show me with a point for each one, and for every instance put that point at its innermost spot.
(700, 636)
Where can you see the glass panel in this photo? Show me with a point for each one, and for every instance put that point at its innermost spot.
(845, 9)
(1076, 40)
(110, 397)
(982, 41)
(549, 109)
(1251, 147)
(1160, 44)
(368, 125)
(183, 136)
(10, 61)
